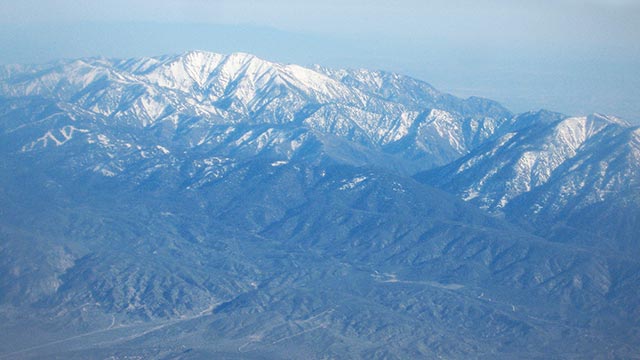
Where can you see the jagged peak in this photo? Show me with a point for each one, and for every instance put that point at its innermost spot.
(373, 78)
(608, 119)
(237, 63)
(583, 127)
(200, 68)
(194, 68)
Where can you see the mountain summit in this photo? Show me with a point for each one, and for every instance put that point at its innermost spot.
(198, 89)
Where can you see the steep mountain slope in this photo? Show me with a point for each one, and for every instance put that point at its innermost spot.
(573, 172)
(285, 260)
(594, 197)
(374, 109)
(222, 206)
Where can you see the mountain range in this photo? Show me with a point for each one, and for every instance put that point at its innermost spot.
(224, 206)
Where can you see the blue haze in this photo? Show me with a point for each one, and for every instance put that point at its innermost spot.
(575, 57)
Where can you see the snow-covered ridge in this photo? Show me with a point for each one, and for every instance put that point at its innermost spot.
(574, 157)
(192, 72)
(201, 117)
(200, 89)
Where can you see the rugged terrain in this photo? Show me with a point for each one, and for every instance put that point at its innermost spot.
(205, 205)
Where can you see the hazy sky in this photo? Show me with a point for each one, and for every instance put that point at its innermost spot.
(567, 55)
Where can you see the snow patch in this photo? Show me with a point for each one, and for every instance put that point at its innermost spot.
(105, 172)
(470, 194)
(64, 135)
(397, 187)
(163, 149)
(279, 163)
(104, 140)
(352, 183)
(246, 136)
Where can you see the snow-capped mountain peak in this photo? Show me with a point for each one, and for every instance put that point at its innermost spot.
(548, 170)
(370, 107)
